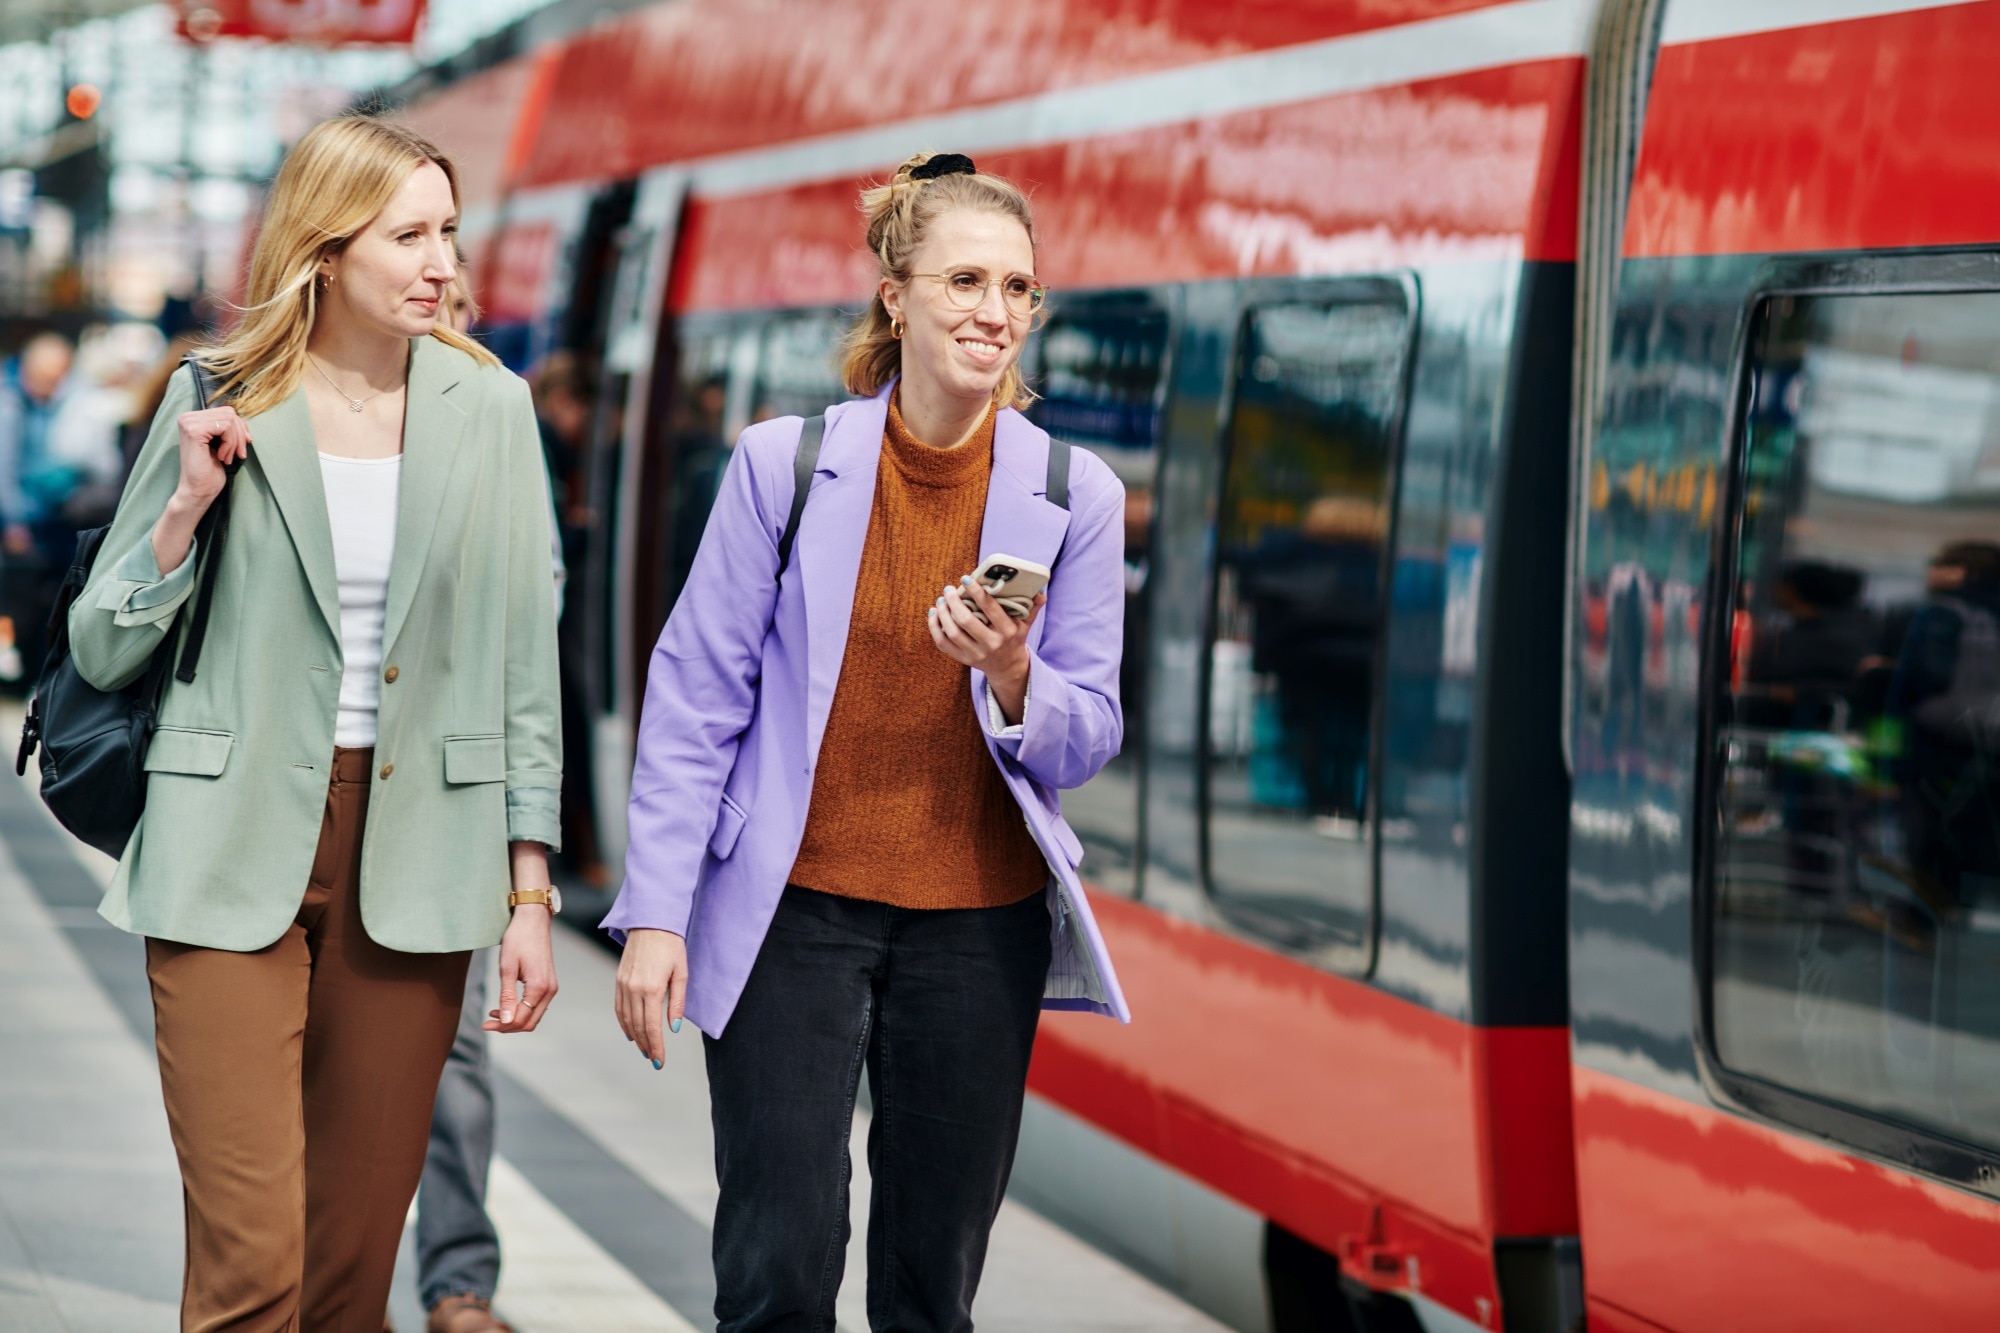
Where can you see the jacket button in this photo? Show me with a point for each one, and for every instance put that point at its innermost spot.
(387, 769)
(391, 674)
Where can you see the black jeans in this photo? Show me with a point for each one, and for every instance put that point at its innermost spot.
(940, 1007)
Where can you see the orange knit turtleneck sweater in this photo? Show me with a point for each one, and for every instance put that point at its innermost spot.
(907, 806)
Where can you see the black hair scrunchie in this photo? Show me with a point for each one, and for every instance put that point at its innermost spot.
(944, 164)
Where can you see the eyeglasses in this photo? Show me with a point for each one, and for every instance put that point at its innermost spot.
(965, 289)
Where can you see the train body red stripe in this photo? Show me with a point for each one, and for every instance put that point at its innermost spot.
(1259, 1076)
(1867, 134)
(675, 82)
(1708, 1220)
(1325, 186)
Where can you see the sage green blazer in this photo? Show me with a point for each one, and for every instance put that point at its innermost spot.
(469, 751)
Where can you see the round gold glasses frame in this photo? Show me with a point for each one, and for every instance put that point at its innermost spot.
(966, 291)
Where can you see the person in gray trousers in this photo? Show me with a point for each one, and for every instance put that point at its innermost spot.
(458, 1250)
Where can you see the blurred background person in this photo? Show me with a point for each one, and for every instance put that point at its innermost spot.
(458, 1247)
(565, 403)
(1946, 695)
(88, 435)
(700, 454)
(1809, 663)
(58, 433)
(1316, 590)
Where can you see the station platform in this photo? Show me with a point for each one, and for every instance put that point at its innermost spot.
(602, 1189)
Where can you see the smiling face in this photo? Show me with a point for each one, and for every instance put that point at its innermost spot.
(952, 353)
(392, 274)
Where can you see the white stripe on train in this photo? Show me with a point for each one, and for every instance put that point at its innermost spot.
(1491, 38)
(1508, 34)
(1708, 20)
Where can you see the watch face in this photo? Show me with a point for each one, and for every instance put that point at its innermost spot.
(555, 901)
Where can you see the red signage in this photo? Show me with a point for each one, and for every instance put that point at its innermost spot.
(319, 22)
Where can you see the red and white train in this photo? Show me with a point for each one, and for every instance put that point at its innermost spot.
(1559, 435)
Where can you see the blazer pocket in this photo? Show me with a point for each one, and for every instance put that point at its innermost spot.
(475, 759)
(729, 821)
(201, 754)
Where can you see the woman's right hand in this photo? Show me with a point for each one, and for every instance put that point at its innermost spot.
(651, 976)
(204, 470)
(203, 474)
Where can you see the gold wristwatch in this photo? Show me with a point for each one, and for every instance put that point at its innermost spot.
(551, 898)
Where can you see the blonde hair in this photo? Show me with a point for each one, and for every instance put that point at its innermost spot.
(899, 214)
(337, 178)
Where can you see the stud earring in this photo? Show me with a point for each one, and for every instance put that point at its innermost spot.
(896, 328)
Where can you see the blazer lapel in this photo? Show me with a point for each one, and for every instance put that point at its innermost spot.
(827, 551)
(1019, 519)
(287, 456)
(432, 428)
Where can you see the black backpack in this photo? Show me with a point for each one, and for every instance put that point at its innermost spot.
(93, 741)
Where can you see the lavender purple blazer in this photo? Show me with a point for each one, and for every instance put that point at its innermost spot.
(737, 697)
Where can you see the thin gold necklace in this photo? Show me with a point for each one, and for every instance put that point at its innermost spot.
(353, 404)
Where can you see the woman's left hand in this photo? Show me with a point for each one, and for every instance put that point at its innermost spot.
(998, 648)
(527, 957)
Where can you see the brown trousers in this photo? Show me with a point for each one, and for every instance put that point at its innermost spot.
(299, 1081)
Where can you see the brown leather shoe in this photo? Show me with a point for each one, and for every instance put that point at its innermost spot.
(464, 1314)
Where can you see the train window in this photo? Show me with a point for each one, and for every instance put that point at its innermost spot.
(1294, 675)
(1854, 899)
(798, 366)
(1102, 383)
(700, 446)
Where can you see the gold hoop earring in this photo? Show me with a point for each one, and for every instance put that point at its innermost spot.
(896, 329)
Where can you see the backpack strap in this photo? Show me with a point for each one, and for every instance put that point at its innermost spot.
(804, 461)
(210, 534)
(1058, 484)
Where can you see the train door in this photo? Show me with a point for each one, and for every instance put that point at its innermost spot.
(1781, 948)
(625, 551)
(582, 414)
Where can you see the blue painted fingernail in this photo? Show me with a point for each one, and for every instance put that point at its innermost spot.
(658, 1065)
(677, 1025)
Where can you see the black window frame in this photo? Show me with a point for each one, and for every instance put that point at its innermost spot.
(1357, 960)
(1899, 1143)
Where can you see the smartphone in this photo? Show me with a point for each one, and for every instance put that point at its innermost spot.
(1010, 576)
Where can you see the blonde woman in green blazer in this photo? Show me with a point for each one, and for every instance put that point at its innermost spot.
(359, 787)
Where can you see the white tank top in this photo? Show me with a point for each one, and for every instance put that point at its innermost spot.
(361, 504)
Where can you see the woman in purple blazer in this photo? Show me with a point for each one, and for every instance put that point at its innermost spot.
(846, 845)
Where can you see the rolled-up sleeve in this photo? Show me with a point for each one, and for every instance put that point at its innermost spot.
(127, 606)
(533, 815)
(136, 593)
(996, 720)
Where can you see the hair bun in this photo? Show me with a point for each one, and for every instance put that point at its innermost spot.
(943, 164)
